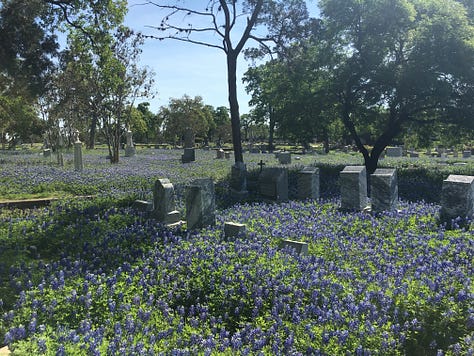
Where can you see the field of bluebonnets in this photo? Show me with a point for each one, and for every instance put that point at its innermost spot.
(93, 276)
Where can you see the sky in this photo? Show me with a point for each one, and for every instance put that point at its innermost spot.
(183, 68)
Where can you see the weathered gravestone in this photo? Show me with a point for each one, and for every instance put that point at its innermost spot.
(384, 189)
(466, 154)
(353, 182)
(129, 148)
(78, 165)
(394, 151)
(220, 154)
(457, 197)
(227, 155)
(143, 206)
(273, 184)
(164, 209)
(301, 248)
(308, 183)
(189, 154)
(284, 158)
(232, 229)
(200, 204)
(238, 181)
(47, 152)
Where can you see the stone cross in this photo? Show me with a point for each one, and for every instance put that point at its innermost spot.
(384, 189)
(353, 182)
(261, 164)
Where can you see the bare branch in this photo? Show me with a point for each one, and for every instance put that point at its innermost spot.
(183, 39)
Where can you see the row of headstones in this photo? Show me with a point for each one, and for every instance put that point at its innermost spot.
(439, 152)
(78, 163)
(457, 194)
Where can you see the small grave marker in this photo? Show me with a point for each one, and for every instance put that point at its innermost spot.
(233, 229)
(457, 197)
(300, 248)
(353, 181)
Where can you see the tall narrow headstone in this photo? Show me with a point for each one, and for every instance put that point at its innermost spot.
(457, 197)
(200, 204)
(238, 181)
(273, 184)
(353, 182)
(129, 148)
(164, 209)
(384, 189)
(189, 154)
(308, 183)
(78, 165)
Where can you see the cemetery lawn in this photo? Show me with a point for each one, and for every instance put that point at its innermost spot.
(85, 277)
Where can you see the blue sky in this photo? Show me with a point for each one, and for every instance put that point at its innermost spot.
(182, 68)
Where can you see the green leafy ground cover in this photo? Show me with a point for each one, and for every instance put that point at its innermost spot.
(95, 277)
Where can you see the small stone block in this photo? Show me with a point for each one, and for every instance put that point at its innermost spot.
(284, 157)
(142, 205)
(232, 229)
(301, 248)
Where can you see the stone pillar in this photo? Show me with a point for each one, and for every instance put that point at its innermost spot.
(164, 209)
(200, 204)
(78, 164)
(130, 148)
(457, 197)
(353, 182)
(308, 183)
(384, 189)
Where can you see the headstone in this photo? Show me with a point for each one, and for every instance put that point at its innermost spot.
(238, 181)
(308, 183)
(189, 155)
(189, 152)
(129, 148)
(284, 157)
(457, 197)
(300, 248)
(220, 153)
(227, 155)
(47, 152)
(466, 154)
(78, 165)
(232, 229)
(273, 184)
(353, 182)
(394, 151)
(384, 189)
(164, 209)
(200, 204)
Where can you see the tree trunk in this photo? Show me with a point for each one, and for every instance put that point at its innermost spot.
(234, 106)
(271, 131)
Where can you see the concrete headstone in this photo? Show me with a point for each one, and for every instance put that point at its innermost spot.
(300, 248)
(200, 204)
(308, 183)
(284, 158)
(353, 182)
(384, 189)
(164, 209)
(394, 151)
(273, 184)
(457, 197)
(232, 229)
